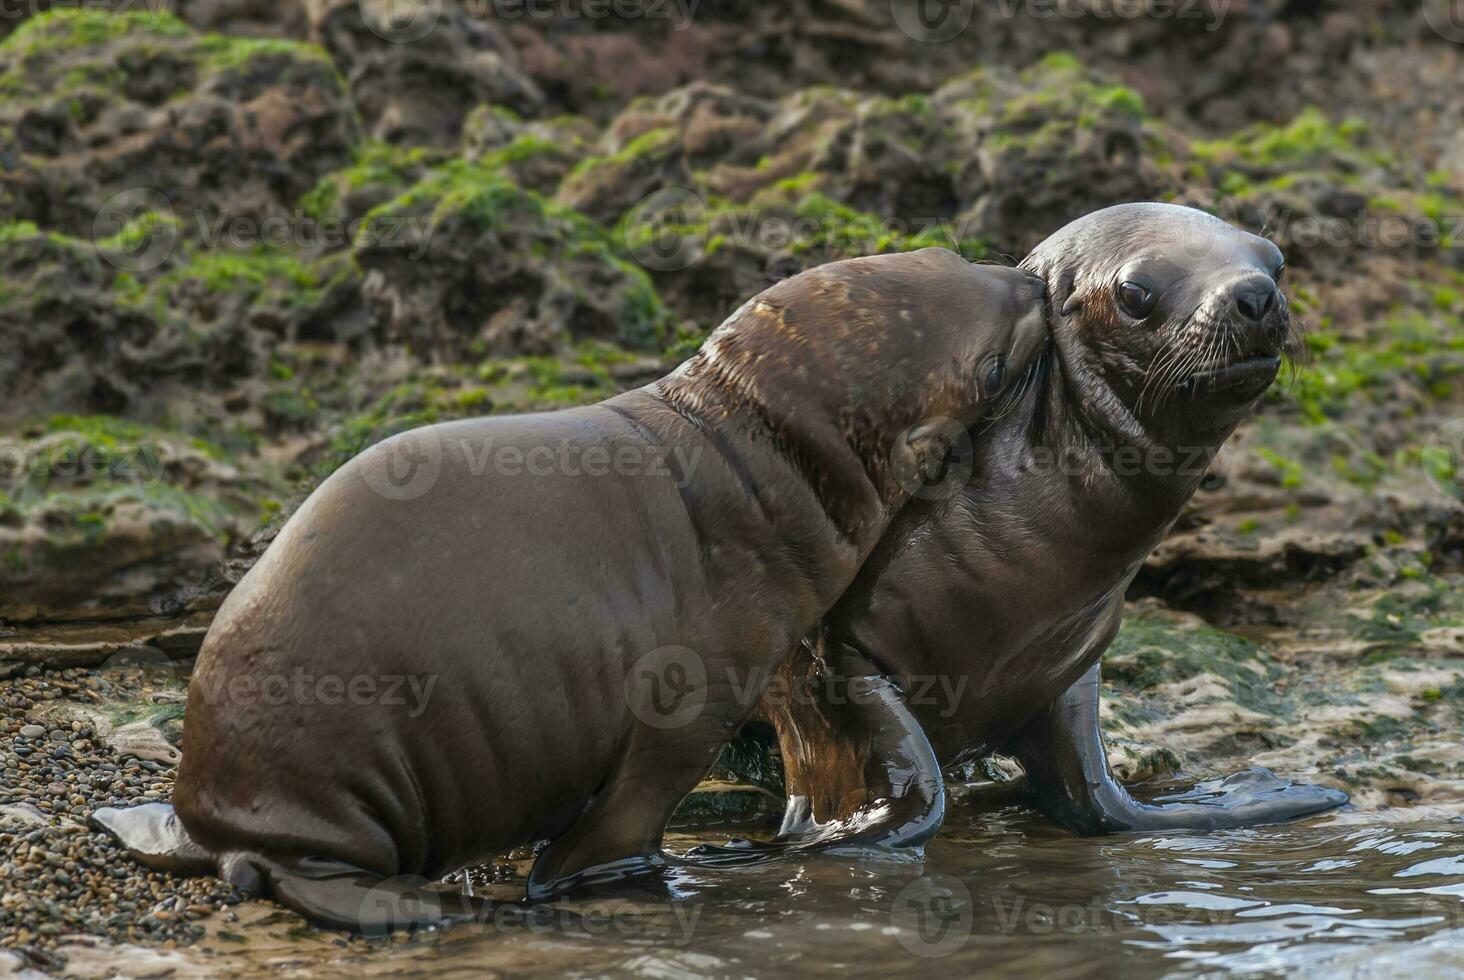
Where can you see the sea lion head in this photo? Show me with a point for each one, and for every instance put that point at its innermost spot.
(1167, 314)
(865, 372)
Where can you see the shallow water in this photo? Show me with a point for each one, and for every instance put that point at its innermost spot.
(1000, 892)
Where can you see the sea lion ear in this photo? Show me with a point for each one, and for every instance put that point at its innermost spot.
(921, 455)
(1071, 301)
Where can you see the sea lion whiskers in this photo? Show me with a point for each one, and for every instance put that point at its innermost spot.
(1168, 351)
(1018, 391)
(1171, 370)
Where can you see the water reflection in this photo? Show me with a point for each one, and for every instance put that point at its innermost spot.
(1001, 892)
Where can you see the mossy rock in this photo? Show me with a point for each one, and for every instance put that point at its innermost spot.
(97, 103)
(471, 261)
(100, 514)
(606, 187)
(377, 173)
(536, 154)
(1421, 352)
(746, 782)
(1154, 649)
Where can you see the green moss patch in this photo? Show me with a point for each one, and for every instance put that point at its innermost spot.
(1153, 649)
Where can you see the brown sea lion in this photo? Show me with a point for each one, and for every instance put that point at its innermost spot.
(988, 609)
(586, 626)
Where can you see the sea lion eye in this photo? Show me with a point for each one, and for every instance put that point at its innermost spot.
(995, 377)
(1137, 301)
(1280, 271)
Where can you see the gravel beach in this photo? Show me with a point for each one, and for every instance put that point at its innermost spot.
(57, 875)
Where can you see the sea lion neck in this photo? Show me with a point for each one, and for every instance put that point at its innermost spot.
(775, 425)
(1130, 467)
(852, 381)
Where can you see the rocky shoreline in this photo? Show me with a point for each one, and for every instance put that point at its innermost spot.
(239, 243)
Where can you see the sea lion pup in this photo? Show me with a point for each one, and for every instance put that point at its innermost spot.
(990, 607)
(587, 623)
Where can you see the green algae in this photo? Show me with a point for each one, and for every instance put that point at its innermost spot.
(1422, 350)
(374, 164)
(464, 193)
(1309, 139)
(1154, 650)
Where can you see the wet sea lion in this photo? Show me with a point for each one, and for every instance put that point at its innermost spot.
(549, 605)
(988, 610)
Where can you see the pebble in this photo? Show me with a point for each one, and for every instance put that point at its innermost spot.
(57, 877)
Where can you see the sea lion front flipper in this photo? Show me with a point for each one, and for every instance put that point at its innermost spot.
(617, 837)
(155, 837)
(859, 770)
(1067, 771)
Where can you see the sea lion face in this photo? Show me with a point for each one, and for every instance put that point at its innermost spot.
(1177, 312)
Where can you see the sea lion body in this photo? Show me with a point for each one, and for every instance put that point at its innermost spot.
(991, 607)
(765, 470)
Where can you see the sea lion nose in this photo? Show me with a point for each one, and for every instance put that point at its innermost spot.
(1255, 297)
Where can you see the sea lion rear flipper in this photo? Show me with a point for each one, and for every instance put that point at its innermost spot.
(860, 772)
(342, 896)
(1067, 771)
(156, 838)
